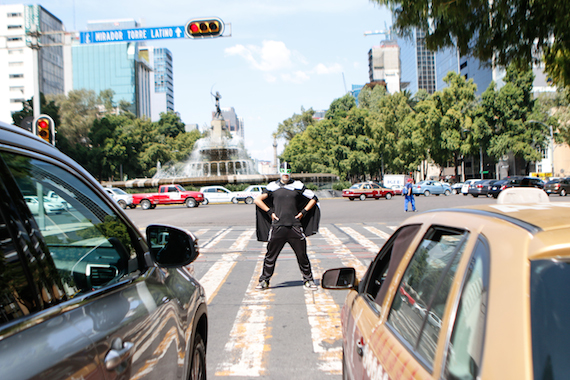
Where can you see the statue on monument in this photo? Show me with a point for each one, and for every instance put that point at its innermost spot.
(218, 114)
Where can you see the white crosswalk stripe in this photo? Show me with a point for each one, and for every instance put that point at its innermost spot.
(246, 351)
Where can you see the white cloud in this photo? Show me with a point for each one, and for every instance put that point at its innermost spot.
(322, 69)
(295, 77)
(270, 56)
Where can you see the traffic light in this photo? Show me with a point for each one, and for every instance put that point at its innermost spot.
(44, 127)
(205, 27)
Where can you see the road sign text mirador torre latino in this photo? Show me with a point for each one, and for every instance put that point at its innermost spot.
(195, 28)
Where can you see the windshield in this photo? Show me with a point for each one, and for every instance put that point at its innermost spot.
(550, 318)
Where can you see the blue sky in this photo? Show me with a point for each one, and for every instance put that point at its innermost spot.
(281, 56)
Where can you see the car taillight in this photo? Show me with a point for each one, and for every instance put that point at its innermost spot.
(479, 186)
(557, 186)
(503, 187)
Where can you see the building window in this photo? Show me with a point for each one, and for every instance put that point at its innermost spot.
(18, 14)
(16, 76)
(15, 64)
(14, 26)
(16, 51)
(17, 100)
(463, 65)
(12, 39)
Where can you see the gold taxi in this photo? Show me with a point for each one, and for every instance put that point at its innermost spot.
(464, 293)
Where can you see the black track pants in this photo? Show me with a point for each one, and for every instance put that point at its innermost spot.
(278, 236)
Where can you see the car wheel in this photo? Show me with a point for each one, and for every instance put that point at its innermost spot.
(427, 193)
(350, 199)
(388, 196)
(133, 205)
(455, 191)
(235, 201)
(198, 369)
(145, 204)
(122, 203)
(447, 193)
(205, 201)
(190, 202)
(475, 195)
(562, 193)
(362, 197)
(248, 200)
(152, 207)
(465, 194)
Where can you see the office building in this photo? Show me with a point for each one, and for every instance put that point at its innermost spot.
(161, 79)
(384, 65)
(417, 64)
(17, 82)
(117, 66)
(234, 123)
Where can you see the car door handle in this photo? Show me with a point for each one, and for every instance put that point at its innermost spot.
(117, 356)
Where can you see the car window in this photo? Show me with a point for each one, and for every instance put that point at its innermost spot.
(88, 243)
(386, 263)
(465, 350)
(549, 310)
(427, 280)
(375, 186)
(355, 186)
(17, 296)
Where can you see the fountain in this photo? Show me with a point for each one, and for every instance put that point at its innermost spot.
(217, 154)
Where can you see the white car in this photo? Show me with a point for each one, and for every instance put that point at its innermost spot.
(218, 194)
(123, 199)
(249, 194)
(465, 187)
(49, 206)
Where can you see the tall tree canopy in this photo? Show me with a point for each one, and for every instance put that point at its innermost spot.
(510, 31)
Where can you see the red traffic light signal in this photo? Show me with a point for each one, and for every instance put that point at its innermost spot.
(205, 27)
(44, 127)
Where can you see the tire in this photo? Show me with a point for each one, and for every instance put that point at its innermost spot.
(205, 201)
(132, 205)
(122, 203)
(562, 193)
(388, 196)
(350, 199)
(249, 200)
(152, 207)
(465, 194)
(362, 197)
(235, 201)
(475, 195)
(145, 204)
(427, 193)
(447, 193)
(191, 202)
(198, 362)
(455, 191)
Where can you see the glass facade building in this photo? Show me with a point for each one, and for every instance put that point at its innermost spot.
(417, 64)
(116, 66)
(162, 82)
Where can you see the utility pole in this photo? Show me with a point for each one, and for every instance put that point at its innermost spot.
(35, 46)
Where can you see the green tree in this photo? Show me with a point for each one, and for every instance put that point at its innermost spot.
(506, 31)
(506, 112)
(77, 112)
(295, 124)
(48, 107)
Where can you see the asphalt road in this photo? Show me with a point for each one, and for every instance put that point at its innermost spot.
(285, 332)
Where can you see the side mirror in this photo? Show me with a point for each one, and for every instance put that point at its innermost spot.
(339, 278)
(171, 246)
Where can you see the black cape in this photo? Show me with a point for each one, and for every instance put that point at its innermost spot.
(310, 221)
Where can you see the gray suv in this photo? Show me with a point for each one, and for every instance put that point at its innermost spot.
(82, 294)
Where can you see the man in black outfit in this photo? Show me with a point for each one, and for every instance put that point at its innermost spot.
(286, 213)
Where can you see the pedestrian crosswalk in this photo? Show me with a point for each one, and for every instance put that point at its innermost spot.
(247, 337)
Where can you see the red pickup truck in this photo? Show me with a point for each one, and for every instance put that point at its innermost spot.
(167, 195)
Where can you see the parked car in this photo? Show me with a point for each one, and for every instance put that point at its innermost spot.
(363, 190)
(123, 199)
(49, 207)
(456, 187)
(398, 189)
(84, 295)
(431, 187)
(466, 184)
(249, 194)
(481, 187)
(560, 186)
(515, 181)
(490, 288)
(218, 194)
(172, 194)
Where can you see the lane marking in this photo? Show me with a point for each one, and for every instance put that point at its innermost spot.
(216, 239)
(246, 350)
(323, 315)
(343, 253)
(218, 273)
(378, 232)
(368, 244)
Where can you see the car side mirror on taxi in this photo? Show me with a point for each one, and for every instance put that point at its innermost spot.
(339, 278)
(171, 246)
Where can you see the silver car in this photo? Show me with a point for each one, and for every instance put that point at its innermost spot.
(83, 294)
